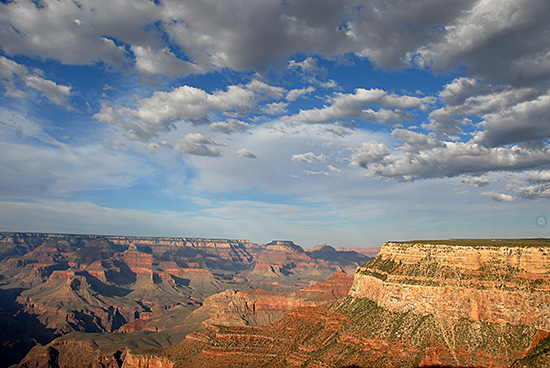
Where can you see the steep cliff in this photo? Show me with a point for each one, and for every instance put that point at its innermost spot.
(498, 283)
(54, 284)
(261, 307)
(468, 303)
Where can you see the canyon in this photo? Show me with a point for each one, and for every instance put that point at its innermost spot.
(462, 303)
(448, 303)
(98, 291)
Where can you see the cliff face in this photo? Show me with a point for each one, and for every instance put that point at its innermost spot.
(533, 257)
(261, 307)
(59, 283)
(498, 284)
(416, 305)
(82, 354)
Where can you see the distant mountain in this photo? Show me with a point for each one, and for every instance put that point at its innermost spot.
(56, 284)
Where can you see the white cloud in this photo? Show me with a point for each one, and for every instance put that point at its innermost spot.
(159, 112)
(197, 144)
(316, 173)
(246, 34)
(471, 36)
(294, 94)
(522, 122)
(535, 187)
(467, 98)
(229, 126)
(163, 61)
(309, 158)
(539, 176)
(357, 105)
(74, 33)
(309, 63)
(476, 181)
(275, 108)
(368, 153)
(426, 157)
(334, 169)
(499, 197)
(12, 72)
(243, 152)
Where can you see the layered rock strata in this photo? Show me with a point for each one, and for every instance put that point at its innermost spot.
(261, 307)
(487, 309)
(491, 283)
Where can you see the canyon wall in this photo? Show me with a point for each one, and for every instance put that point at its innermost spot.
(498, 284)
(464, 303)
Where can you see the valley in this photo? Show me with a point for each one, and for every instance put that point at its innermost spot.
(171, 303)
(149, 293)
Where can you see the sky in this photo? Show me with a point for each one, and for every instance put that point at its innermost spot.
(348, 122)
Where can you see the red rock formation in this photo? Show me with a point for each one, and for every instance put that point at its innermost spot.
(100, 283)
(71, 353)
(260, 307)
(404, 312)
(495, 284)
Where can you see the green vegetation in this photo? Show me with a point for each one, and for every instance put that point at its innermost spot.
(428, 272)
(538, 357)
(422, 332)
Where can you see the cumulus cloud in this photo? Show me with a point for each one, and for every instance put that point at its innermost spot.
(499, 197)
(358, 105)
(536, 186)
(294, 94)
(369, 153)
(198, 145)
(159, 112)
(275, 108)
(12, 73)
(522, 122)
(307, 64)
(309, 158)
(501, 107)
(246, 34)
(229, 126)
(422, 157)
(161, 61)
(74, 33)
(476, 181)
(243, 152)
(473, 35)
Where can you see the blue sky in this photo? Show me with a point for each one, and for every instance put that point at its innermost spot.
(341, 122)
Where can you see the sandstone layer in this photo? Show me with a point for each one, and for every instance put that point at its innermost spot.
(261, 307)
(227, 308)
(55, 284)
(489, 308)
(499, 284)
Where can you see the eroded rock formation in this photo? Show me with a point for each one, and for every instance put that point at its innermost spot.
(54, 284)
(489, 308)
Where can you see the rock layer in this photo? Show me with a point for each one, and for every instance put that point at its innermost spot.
(489, 308)
(499, 284)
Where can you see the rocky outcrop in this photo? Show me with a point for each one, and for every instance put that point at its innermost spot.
(489, 308)
(261, 307)
(530, 256)
(140, 285)
(498, 284)
(70, 353)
